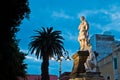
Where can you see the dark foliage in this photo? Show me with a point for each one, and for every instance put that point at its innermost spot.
(11, 59)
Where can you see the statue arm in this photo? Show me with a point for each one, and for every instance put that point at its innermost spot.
(86, 25)
(79, 27)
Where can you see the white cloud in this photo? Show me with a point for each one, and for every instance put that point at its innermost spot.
(112, 14)
(25, 51)
(115, 15)
(61, 14)
(84, 13)
(115, 25)
(97, 26)
(87, 13)
(33, 58)
(70, 36)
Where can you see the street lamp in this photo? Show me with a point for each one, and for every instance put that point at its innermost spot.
(59, 60)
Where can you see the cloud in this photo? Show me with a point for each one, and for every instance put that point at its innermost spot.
(33, 58)
(95, 25)
(114, 14)
(25, 51)
(108, 19)
(70, 36)
(88, 13)
(61, 14)
(84, 13)
(30, 57)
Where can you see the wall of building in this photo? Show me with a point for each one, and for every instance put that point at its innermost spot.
(106, 67)
(102, 44)
(109, 65)
(116, 54)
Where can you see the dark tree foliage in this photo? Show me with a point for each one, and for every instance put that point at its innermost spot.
(13, 12)
(12, 63)
(11, 59)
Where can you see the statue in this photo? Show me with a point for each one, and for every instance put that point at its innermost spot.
(83, 34)
(90, 64)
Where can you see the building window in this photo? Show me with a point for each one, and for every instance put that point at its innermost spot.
(108, 77)
(115, 63)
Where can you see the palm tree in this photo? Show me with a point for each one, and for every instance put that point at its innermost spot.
(46, 44)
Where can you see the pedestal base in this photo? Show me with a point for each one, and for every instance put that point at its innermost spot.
(79, 60)
(87, 76)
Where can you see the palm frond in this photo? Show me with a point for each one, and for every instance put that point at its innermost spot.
(49, 30)
(46, 42)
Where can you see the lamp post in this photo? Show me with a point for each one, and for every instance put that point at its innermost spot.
(59, 60)
(60, 66)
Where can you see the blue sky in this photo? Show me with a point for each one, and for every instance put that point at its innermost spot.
(63, 15)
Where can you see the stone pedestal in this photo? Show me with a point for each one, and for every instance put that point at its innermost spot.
(79, 60)
(88, 76)
(79, 72)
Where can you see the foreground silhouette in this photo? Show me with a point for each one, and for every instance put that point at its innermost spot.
(45, 44)
(11, 59)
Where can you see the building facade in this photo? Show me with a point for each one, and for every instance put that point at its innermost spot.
(102, 44)
(109, 65)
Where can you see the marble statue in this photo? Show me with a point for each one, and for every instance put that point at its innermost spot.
(83, 34)
(90, 64)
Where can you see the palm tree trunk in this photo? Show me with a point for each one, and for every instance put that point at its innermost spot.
(44, 68)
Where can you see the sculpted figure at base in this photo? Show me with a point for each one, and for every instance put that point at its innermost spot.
(91, 63)
(83, 33)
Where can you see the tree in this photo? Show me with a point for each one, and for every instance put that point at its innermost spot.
(12, 63)
(45, 44)
(12, 13)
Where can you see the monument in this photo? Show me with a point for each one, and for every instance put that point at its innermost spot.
(85, 64)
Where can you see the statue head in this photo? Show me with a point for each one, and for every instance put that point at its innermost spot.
(82, 18)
